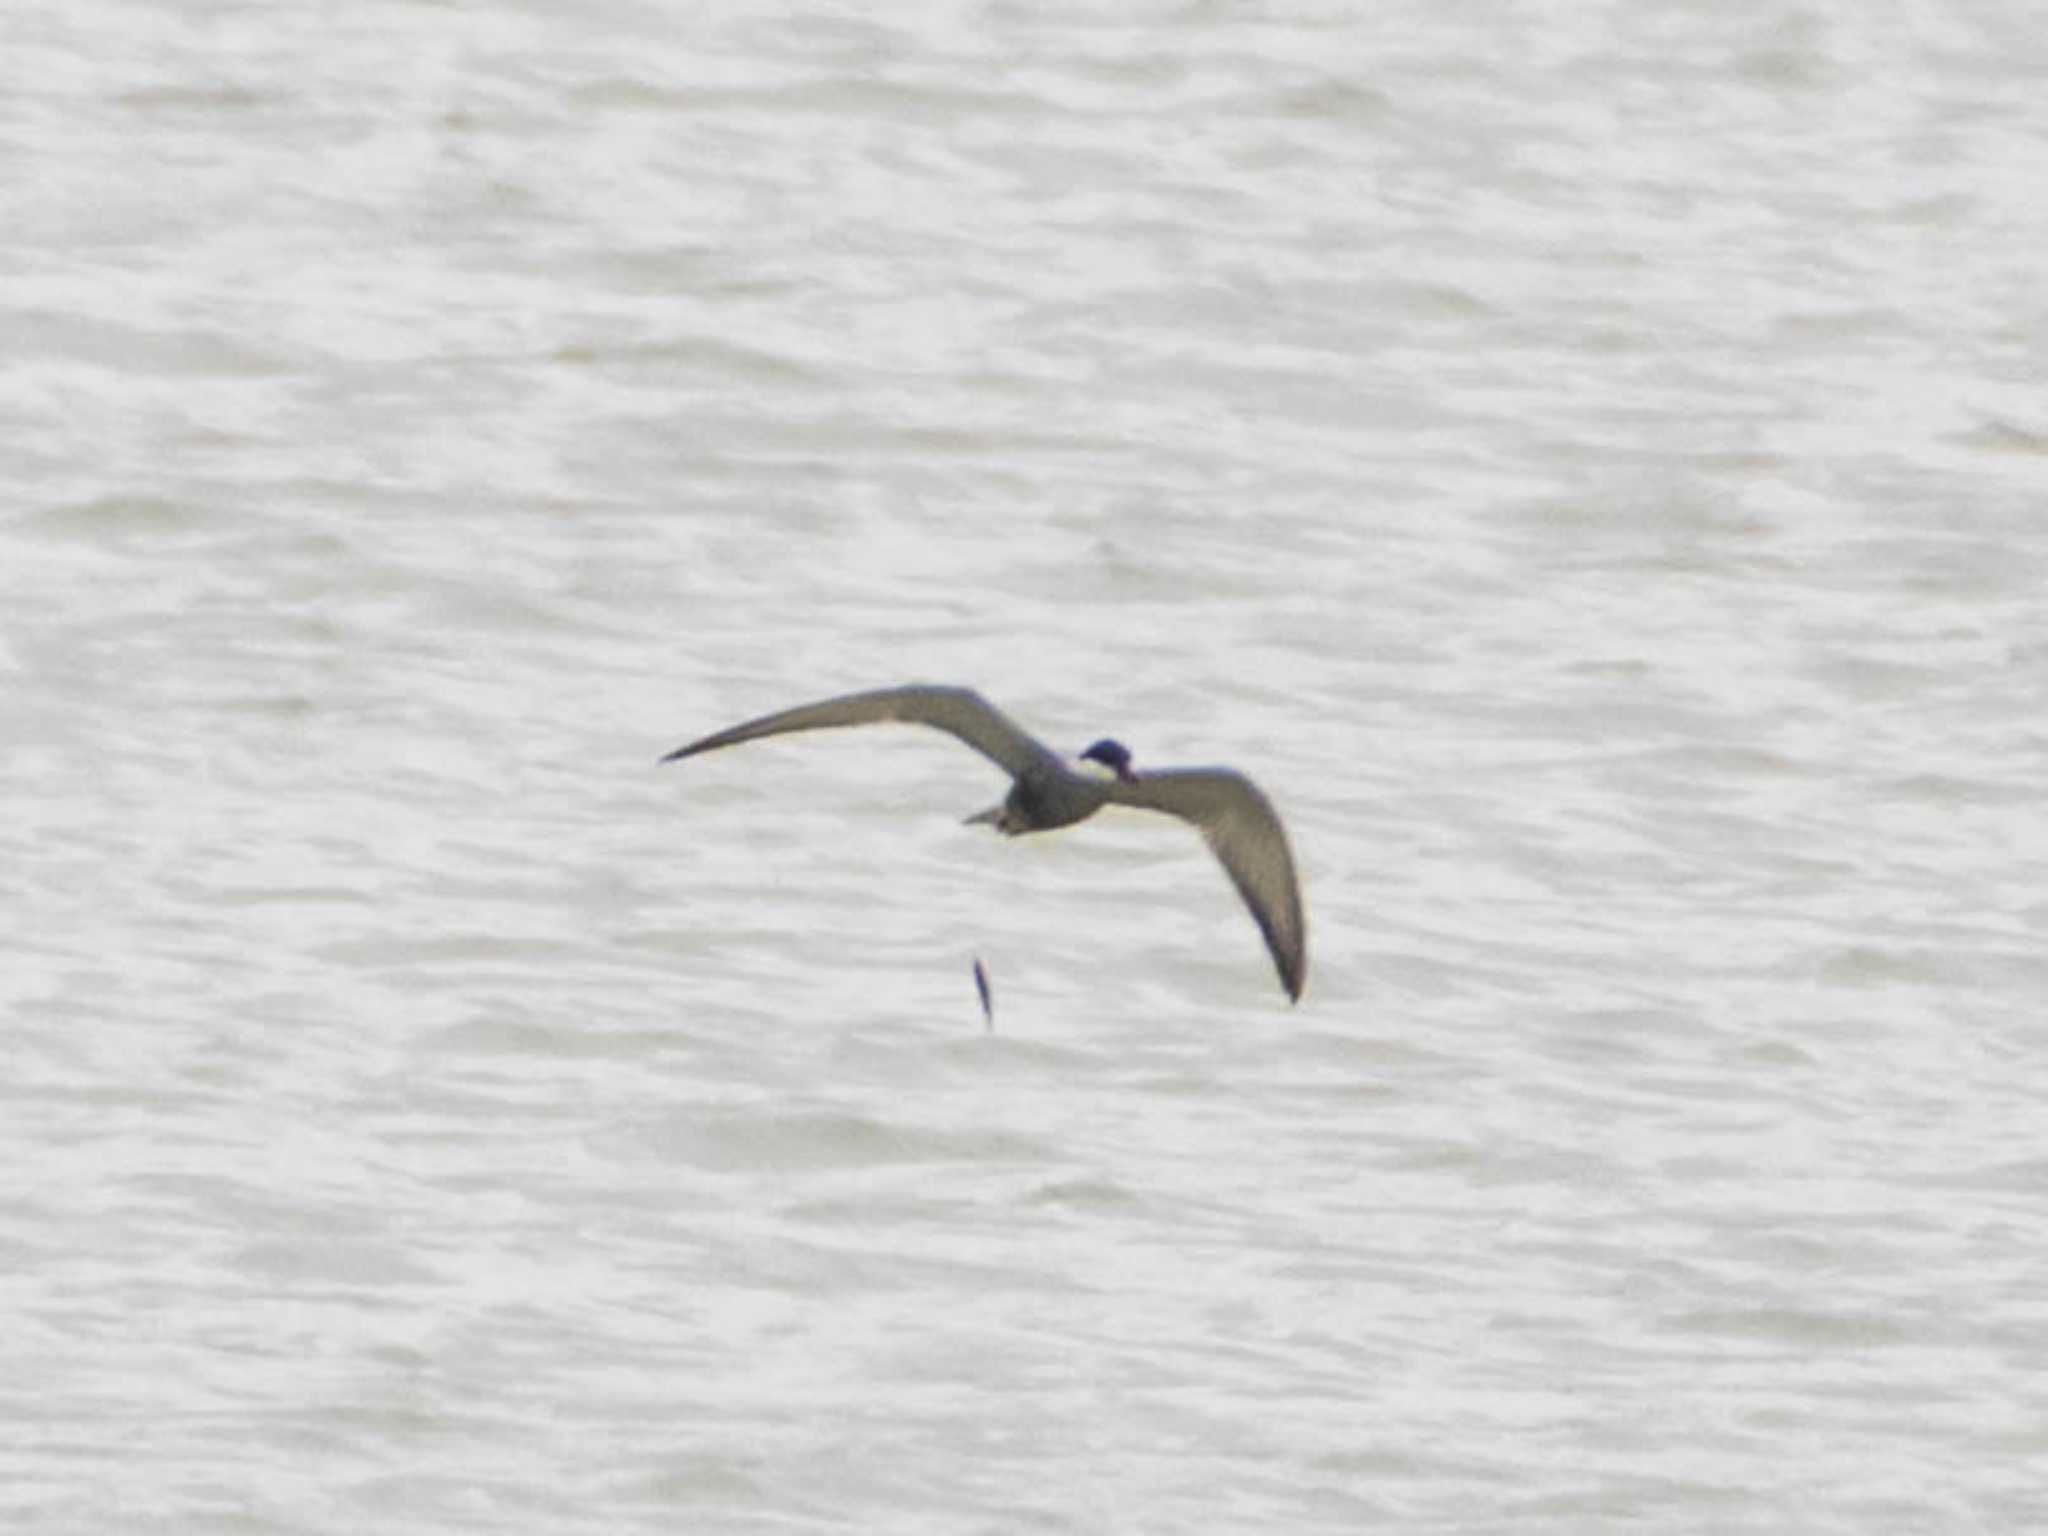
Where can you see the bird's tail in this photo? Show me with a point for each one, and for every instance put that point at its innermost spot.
(1002, 818)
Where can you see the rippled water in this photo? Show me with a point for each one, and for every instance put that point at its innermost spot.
(1588, 463)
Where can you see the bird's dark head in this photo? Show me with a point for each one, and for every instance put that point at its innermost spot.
(1113, 755)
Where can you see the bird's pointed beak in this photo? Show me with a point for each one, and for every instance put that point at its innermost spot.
(991, 817)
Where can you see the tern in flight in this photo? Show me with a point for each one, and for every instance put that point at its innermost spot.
(1238, 821)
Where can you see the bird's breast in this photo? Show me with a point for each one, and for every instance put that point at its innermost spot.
(1044, 801)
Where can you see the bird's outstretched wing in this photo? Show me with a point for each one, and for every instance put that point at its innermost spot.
(1244, 832)
(960, 712)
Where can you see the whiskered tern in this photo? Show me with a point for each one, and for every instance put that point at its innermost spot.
(1237, 820)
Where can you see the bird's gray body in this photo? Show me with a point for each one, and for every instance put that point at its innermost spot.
(1042, 798)
(1235, 818)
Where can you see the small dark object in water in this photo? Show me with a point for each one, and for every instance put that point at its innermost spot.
(988, 1005)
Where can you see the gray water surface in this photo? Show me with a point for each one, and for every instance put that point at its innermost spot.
(1587, 463)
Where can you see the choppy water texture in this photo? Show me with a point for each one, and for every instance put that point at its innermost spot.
(1588, 462)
